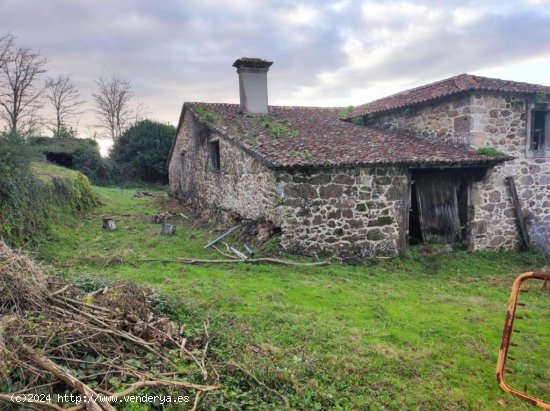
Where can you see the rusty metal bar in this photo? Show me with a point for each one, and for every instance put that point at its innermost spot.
(506, 343)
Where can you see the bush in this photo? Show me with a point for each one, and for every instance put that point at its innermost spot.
(141, 151)
(15, 155)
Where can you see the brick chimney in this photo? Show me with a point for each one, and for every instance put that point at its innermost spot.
(253, 84)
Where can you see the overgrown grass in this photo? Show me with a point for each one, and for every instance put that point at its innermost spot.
(31, 200)
(409, 333)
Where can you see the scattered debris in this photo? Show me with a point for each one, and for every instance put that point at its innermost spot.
(249, 250)
(238, 253)
(109, 224)
(141, 194)
(104, 345)
(194, 261)
(167, 229)
(221, 237)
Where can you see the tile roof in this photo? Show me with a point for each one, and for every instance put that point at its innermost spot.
(311, 136)
(448, 87)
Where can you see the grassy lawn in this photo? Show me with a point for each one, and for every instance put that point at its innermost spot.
(409, 333)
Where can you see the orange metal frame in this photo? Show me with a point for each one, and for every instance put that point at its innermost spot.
(506, 336)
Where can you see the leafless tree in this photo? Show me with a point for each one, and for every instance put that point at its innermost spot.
(65, 100)
(6, 44)
(20, 90)
(142, 111)
(112, 104)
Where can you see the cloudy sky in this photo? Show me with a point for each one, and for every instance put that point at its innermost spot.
(333, 52)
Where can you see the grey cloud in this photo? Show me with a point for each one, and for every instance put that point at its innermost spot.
(174, 51)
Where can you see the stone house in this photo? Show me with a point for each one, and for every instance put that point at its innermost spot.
(371, 180)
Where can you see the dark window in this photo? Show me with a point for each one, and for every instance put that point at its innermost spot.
(214, 155)
(538, 129)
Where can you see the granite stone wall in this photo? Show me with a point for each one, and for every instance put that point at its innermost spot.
(486, 120)
(348, 211)
(242, 184)
(447, 121)
(501, 122)
(353, 212)
(363, 211)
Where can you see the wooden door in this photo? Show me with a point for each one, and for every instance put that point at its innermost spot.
(438, 206)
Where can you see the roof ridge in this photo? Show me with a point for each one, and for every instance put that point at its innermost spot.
(450, 86)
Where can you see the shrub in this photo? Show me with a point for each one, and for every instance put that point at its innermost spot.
(15, 155)
(141, 151)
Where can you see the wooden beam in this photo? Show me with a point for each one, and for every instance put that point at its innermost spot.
(519, 212)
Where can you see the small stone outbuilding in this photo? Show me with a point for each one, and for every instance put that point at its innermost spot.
(370, 181)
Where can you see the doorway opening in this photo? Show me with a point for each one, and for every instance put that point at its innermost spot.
(439, 211)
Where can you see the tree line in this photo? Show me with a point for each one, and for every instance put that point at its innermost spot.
(140, 146)
(24, 92)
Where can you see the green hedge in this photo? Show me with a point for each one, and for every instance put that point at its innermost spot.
(29, 199)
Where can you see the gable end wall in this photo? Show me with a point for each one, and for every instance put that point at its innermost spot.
(486, 120)
(242, 185)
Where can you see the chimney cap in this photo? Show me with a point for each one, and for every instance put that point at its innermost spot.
(252, 62)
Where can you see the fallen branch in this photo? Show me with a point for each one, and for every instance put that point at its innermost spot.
(46, 364)
(224, 254)
(21, 400)
(238, 253)
(61, 290)
(193, 261)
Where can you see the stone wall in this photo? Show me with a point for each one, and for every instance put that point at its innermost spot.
(447, 121)
(351, 212)
(363, 211)
(242, 184)
(501, 122)
(485, 120)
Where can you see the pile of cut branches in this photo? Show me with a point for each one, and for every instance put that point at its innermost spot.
(56, 340)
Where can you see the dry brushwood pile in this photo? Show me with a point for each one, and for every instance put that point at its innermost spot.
(103, 345)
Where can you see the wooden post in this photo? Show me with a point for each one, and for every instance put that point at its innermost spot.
(519, 213)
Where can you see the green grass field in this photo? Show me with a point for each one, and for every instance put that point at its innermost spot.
(408, 333)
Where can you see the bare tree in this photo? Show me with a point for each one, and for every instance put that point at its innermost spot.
(65, 99)
(112, 104)
(19, 90)
(141, 112)
(6, 44)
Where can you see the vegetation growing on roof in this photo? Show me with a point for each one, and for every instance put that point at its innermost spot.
(345, 112)
(305, 155)
(490, 152)
(278, 127)
(205, 113)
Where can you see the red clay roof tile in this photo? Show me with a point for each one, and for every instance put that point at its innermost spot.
(444, 88)
(314, 136)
